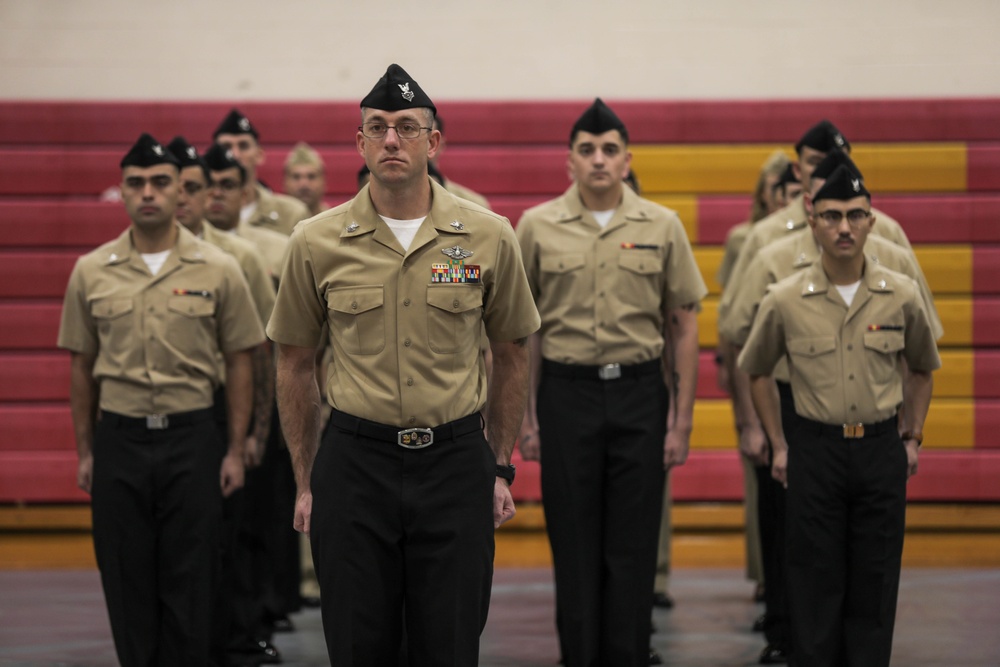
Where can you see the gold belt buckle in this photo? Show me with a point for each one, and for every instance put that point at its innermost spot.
(854, 431)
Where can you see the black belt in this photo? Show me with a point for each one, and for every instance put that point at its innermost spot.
(410, 438)
(157, 422)
(601, 372)
(849, 431)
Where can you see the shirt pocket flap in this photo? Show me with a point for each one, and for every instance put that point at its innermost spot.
(355, 300)
(812, 347)
(887, 342)
(455, 298)
(562, 263)
(109, 309)
(640, 262)
(192, 306)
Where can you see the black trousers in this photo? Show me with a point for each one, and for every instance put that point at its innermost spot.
(399, 532)
(156, 506)
(602, 486)
(846, 520)
(771, 504)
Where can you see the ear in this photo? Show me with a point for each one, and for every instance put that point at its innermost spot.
(797, 170)
(628, 164)
(360, 142)
(434, 144)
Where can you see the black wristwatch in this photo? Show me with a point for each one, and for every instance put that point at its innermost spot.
(506, 472)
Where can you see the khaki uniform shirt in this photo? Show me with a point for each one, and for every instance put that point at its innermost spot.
(467, 194)
(405, 327)
(272, 246)
(844, 361)
(734, 242)
(603, 293)
(790, 219)
(252, 264)
(279, 213)
(157, 338)
(797, 252)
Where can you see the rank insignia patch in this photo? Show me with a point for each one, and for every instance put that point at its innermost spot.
(455, 272)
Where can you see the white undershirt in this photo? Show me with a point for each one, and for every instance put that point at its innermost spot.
(404, 230)
(246, 212)
(155, 260)
(603, 217)
(847, 292)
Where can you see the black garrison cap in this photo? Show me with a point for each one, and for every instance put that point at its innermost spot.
(823, 136)
(186, 154)
(220, 158)
(598, 119)
(236, 123)
(148, 152)
(396, 91)
(834, 159)
(842, 185)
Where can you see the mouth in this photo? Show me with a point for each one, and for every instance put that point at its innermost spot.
(148, 210)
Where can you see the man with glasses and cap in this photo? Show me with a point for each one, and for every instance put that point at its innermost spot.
(146, 318)
(402, 492)
(618, 291)
(845, 325)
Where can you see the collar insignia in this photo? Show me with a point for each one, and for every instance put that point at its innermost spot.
(457, 252)
(353, 227)
(458, 225)
(407, 93)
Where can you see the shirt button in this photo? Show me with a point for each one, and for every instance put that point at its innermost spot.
(600, 294)
(851, 376)
(406, 342)
(854, 407)
(354, 305)
(409, 382)
(151, 309)
(850, 347)
(602, 265)
(412, 420)
(406, 302)
(454, 304)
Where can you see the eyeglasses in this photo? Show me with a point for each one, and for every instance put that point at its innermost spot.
(377, 130)
(855, 217)
(226, 185)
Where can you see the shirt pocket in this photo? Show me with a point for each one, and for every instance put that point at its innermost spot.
(191, 324)
(454, 317)
(882, 350)
(814, 359)
(357, 318)
(113, 326)
(640, 277)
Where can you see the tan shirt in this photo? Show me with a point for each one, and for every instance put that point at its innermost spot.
(252, 264)
(406, 341)
(734, 242)
(603, 293)
(844, 362)
(798, 251)
(157, 338)
(272, 246)
(467, 194)
(279, 213)
(790, 219)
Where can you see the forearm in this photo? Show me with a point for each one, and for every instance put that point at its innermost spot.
(299, 409)
(239, 398)
(263, 391)
(508, 395)
(684, 374)
(535, 377)
(83, 395)
(917, 389)
(746, 416)
(764, 393)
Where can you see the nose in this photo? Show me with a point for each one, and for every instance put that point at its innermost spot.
(391, 137)
(147, 190)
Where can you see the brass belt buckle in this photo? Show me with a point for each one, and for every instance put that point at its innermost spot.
(610, 371)
(157, 422)
(415, 438)
(854, 431)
